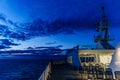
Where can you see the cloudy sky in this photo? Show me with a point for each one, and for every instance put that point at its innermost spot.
(38, 23)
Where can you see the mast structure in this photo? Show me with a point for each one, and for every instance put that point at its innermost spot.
(103, 31)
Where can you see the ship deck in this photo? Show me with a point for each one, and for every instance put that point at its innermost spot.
(64, 72)
(67, 72)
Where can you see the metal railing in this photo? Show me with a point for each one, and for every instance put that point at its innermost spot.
(46, 72)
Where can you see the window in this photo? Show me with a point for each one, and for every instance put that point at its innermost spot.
(87, 59)
(82, 59)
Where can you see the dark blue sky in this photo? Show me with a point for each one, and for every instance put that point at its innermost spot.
(55, 22)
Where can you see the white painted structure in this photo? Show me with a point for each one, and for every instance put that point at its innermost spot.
(99, 56)
(73, 58)
(115, 62)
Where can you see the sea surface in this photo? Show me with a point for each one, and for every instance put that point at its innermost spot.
(21, 69)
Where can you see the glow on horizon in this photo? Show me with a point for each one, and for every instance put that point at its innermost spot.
(68, 41)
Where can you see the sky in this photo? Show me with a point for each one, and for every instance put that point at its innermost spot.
(64, 23)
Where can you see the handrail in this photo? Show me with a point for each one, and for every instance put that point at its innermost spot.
(45, 74)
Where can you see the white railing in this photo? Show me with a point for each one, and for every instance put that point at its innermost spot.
(46, 72)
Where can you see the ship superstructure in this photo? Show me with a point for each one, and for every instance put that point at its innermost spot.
(89, 64)
(95, 62)
(102, 53)
(100, 63)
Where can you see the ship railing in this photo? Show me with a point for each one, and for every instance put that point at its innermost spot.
(46, 73)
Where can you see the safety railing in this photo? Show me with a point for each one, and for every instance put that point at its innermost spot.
(46, 73)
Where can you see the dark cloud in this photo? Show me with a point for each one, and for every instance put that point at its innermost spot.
(7, 32)
(50, 50)
(59, 26)
(8, 42)
(59, 46)
(30, 48)
(39, 27)
(4, 47)
(85, 20)
(72, 25)
(51, 47)
(5, 43)
(2, 17)
(3, 30)
(50, 43)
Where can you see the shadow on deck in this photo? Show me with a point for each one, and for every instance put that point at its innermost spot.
(66, 72)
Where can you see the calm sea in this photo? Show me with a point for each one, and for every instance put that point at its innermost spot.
(21, 69)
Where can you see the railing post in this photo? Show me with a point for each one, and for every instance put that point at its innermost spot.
(45, 73)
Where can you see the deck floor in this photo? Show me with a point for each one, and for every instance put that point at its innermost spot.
(66, 72)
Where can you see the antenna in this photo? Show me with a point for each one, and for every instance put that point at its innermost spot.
(103, 12)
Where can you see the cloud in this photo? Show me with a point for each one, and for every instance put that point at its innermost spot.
(39, 27)
(4, 47)
(2, 17)
(48, 50)
(71, 25)
(30, 48)
(6, 20)
(50, 43)
(25, 31)
(5, 43)
(59, 46)
(51, 47)
(6, 31)
(59, 26)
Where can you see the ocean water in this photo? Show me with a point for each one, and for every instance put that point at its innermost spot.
(21, 69)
